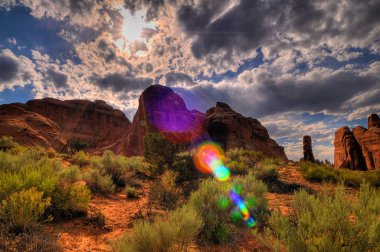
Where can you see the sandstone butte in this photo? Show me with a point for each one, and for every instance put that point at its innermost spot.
(359, 149)
(50, 123)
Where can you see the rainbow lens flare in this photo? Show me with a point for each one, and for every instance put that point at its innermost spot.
(209, 158)
(251, 222)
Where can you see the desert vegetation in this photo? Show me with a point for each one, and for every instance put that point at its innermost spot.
(193, 210)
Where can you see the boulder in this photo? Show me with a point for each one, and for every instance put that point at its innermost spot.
(307, 149)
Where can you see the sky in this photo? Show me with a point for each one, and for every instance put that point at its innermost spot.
(300, 67)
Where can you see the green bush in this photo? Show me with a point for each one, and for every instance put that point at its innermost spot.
(98, 183)
(206, 201)
(329, 223)
(116, 166)
(81, 158)
(184, 166)
(158, 150)
(267, 170)
(23, 210)
(137, 163)
(131, 192)
(7, 143)
(75, 144)
(165, 190)
(322, 173)
(70, 201)
(172, 234)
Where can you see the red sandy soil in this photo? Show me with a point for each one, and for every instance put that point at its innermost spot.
(84, 234)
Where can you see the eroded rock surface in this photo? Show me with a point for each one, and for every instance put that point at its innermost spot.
(308, 149)
(359, 149)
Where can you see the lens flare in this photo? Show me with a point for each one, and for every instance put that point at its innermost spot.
(243, 208)
(209, 158)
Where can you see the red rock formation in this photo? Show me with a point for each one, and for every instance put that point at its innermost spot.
(52, 122)
(96, 123)
(369, 140)
(162, 110)
(29, 128)
(359, 149)
(307, 149)
(232, 130)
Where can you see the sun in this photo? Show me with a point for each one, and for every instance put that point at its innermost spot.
(134, 24)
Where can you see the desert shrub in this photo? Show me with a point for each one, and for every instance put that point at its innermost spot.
(51, 153)
(31, 169)
(24, 171)
(23, 210)
(173, 233)
(322, 173)
(70, 201)
(329, 222)
(165, 190)
(6, 143)
(267, 170)
(75, 144)
(81, 158)
(69, 175)
(116, 166)
(98, 183)
(242, 161)
(137, 163)
(206, 201)
(158, 150)
(184, 166)
(131, 192)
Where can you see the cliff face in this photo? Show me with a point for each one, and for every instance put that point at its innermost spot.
(96, 123)
(232, 130)
(29, 128)
(359, 149)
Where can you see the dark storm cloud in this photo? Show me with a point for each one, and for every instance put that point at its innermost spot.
(58, 79)
(8, 68)
(174, 78)
(118, 82)
(152, 6)
(254, 23)
(271, 96)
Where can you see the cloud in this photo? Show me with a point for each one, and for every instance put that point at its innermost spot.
(174, 79)
(120, 82)
(16, 70)
(57, 78)
(251, 24)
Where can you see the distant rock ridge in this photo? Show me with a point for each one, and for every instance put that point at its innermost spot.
(359, 149)
(52, 122)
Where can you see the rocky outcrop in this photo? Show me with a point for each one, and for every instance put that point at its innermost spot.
(96, 123)
(232, 130)
(369, 141)
(29, 128)
(359, 149)
(50, 123)
(162, 110)
(307, 149)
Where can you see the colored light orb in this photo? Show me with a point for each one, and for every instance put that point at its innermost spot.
(243, 208)
(209, 158)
